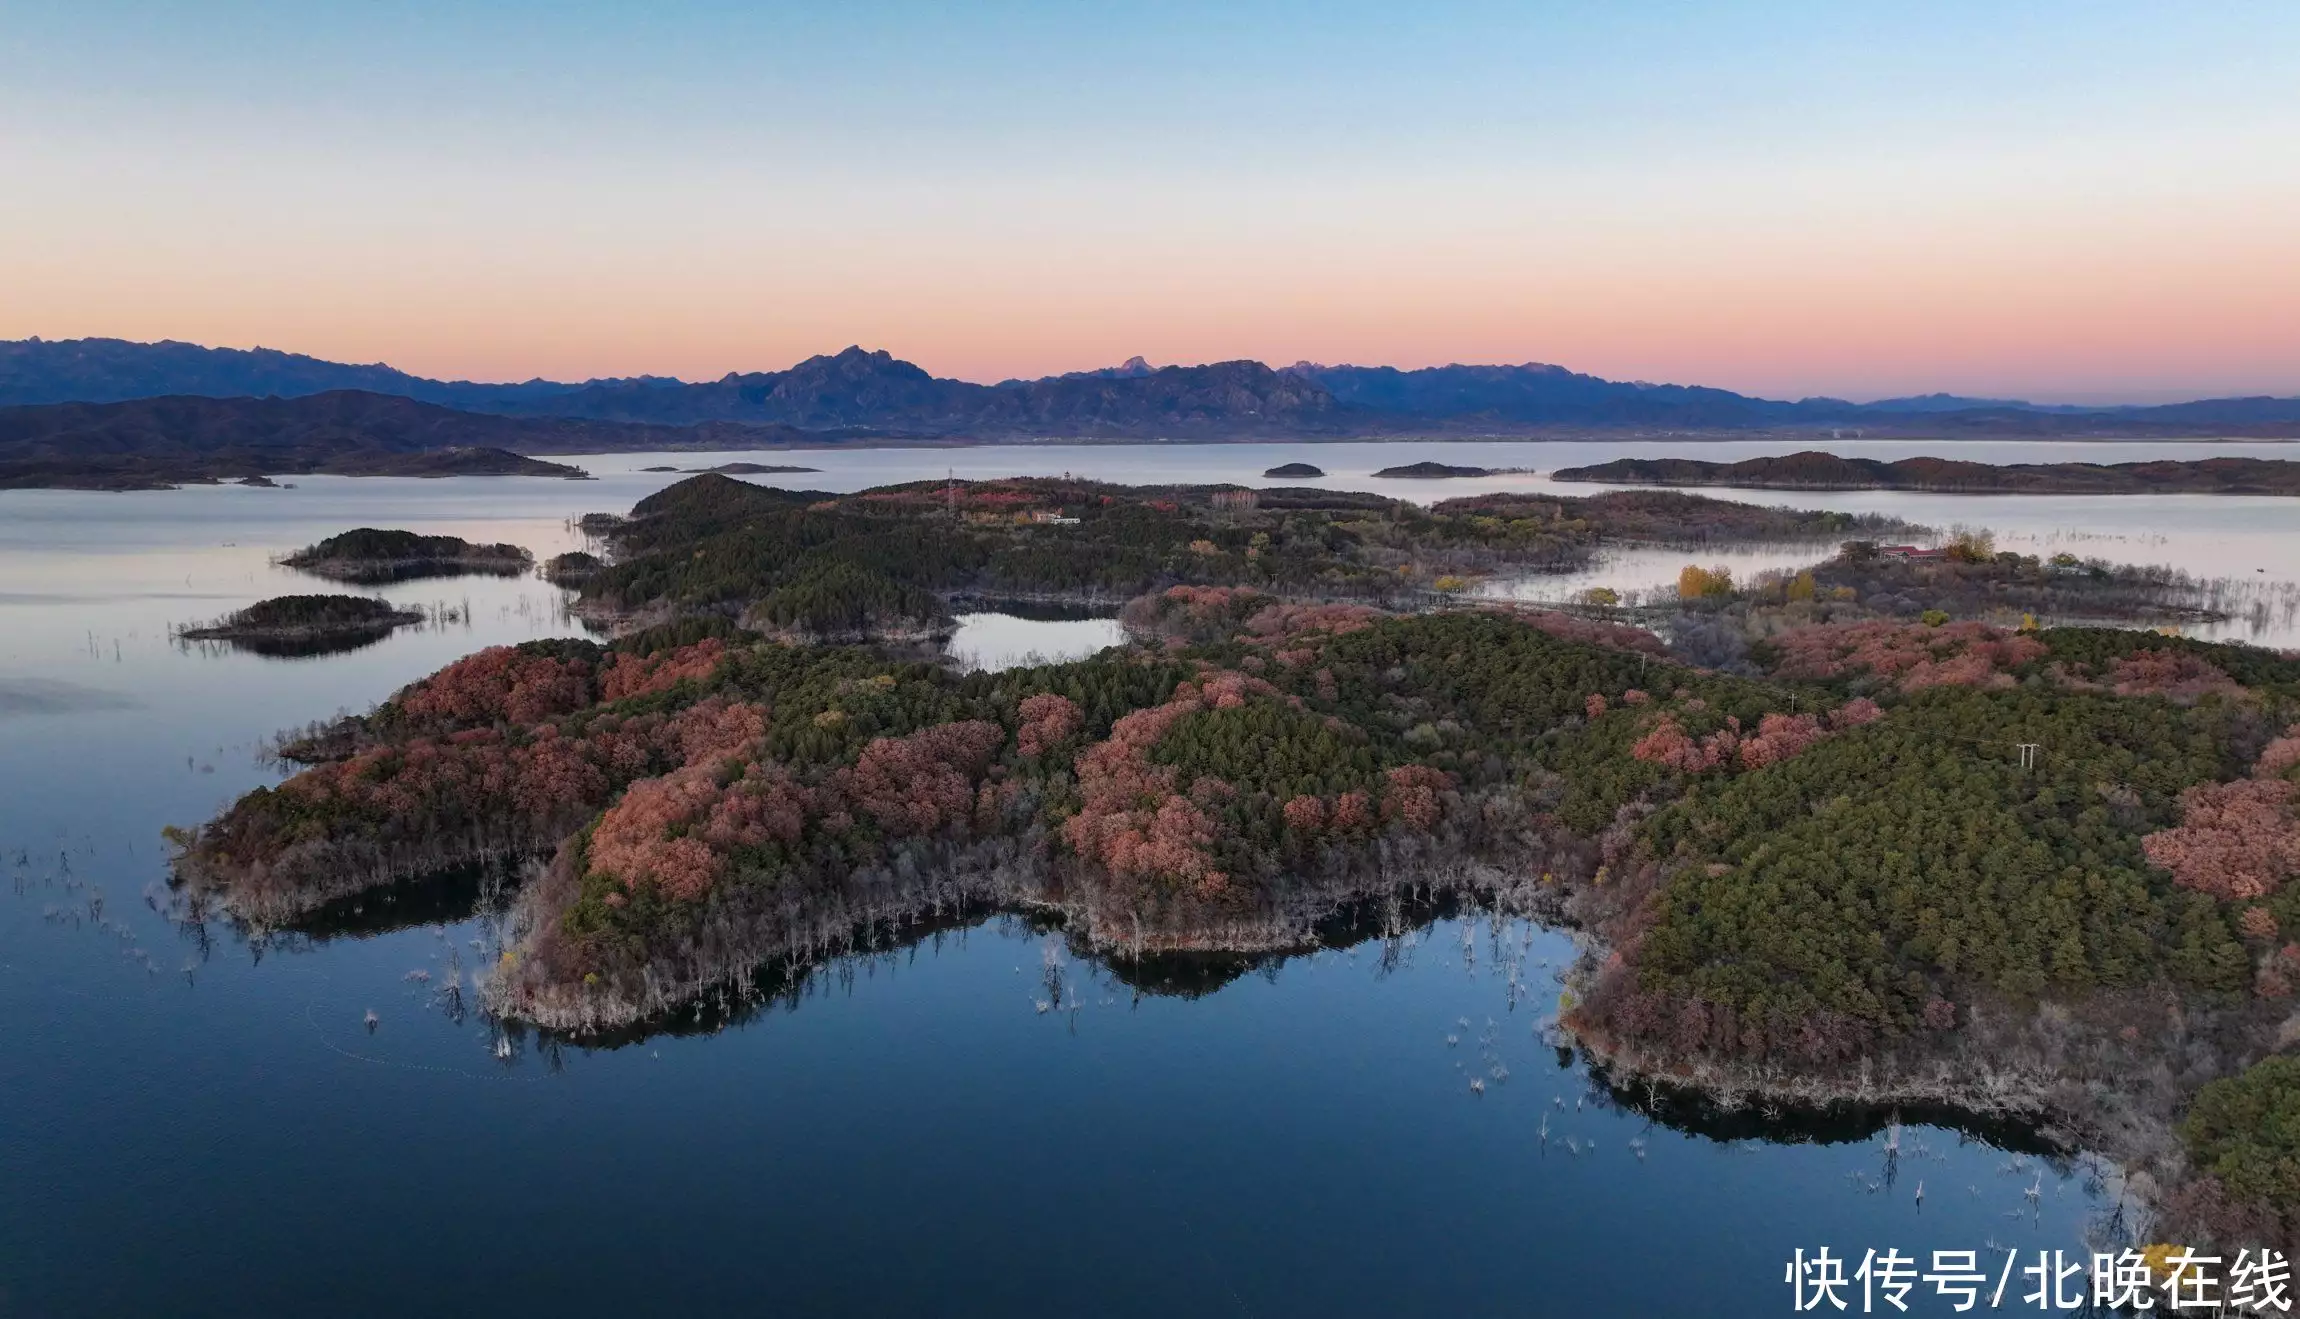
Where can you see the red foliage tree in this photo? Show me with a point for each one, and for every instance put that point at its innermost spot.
(634, 843)
(1778, 737)
(1047, 720)
(499, 684)
(2279, 758)
(1412, 793)
(1133, 817)
(2235, 841)
(1965, 654)
(2174, 674)
(716, 728)
(1668, 745)
(765, 806)
(636, 675)
(1856, 712)
(922, 783)
(1306, 814)
(1299, 623)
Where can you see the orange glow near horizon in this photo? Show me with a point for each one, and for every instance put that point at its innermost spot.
(2027, 315)
(1896, 231)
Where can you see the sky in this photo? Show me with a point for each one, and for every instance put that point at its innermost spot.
(2058, 201)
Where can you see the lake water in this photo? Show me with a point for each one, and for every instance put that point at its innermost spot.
(970, 1123)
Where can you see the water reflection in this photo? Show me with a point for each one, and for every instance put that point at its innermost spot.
(1431, 932)
(448, 898)
(1991, 1178)
(1320, 1078)
(1641, 573)
(29, 696)
(996, 641)
(385, 574)
(340, 641)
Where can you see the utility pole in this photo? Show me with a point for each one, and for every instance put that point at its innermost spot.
(2028, 752)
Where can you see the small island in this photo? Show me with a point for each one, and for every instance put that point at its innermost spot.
(1434, 471)
(368, 556)
(1294, 471)
(572, 568)
(306, 624)
(1813, 470)
(453, 461)
(659, 467)
(750, 469)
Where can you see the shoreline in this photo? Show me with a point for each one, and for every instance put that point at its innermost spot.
(1996, 1071)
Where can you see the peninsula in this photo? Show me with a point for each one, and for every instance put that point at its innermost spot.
(1849, 854)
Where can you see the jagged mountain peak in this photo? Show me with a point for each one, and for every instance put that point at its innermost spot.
(873, 389)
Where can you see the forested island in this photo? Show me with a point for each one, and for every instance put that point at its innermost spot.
(1294, 472)
(1826, 471)
(1863, 855)
(252, 467)
(306, 624)
(753, 469)
(370, 556)
(572, 568)
(1434, 471)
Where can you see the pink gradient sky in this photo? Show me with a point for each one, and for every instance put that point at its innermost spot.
(2091, 202)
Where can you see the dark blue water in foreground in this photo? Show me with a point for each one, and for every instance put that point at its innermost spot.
(205, 1128)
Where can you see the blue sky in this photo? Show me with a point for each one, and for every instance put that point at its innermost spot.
(2058, 200)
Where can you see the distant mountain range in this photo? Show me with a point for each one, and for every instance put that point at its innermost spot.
(855, 388)
(860, 396)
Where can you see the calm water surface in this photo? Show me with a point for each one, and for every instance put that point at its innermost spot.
(967, 1122)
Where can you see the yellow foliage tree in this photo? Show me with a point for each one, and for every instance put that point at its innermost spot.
(1973, 547)
(1696, 582)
